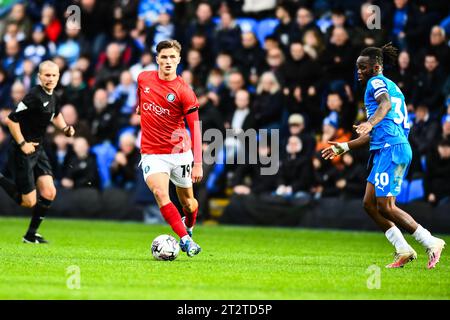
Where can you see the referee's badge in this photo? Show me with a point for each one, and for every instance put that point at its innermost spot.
(170, 97)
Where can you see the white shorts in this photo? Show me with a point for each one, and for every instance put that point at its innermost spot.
(178, 166)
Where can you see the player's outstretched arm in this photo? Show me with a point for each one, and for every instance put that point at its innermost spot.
(339, 148)
(384, 106)
(61, 124)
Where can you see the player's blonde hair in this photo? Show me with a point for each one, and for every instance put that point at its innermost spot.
(168, 44)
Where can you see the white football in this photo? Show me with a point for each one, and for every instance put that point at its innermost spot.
(165, 247)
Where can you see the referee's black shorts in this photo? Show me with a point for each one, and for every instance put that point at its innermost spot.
(25, 169)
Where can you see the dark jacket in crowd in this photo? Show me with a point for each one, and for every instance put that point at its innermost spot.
(259, 183)
(125, 176)
(296, 171)
(83, 172)
(437, 176)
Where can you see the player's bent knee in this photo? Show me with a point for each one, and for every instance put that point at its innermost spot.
(190, 205)
(28, 202)
(49, 194)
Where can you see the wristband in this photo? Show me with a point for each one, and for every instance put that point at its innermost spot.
(22, 143)
(340, 148)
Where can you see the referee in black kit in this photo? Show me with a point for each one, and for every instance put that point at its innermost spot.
(28, 163)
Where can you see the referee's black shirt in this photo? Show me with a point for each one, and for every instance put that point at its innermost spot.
(34, 113)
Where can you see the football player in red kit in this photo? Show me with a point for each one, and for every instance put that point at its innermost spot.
(165, 100)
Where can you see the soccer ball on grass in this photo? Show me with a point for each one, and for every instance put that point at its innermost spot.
(165, 247)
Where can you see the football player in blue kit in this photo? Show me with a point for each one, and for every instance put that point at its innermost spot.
(386, 131)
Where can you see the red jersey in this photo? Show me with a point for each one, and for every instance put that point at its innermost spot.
(163, 107)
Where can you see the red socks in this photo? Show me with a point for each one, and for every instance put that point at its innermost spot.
(172, 217)
(190, 218)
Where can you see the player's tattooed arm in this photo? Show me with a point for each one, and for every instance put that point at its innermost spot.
(384, 106)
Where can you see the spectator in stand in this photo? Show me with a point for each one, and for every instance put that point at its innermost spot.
(402, 20)
(283, 30)
(163, 29)
(72, 45)
(82, 170)
(235, 83)
(18, 92)
(28, 76)
(215, 85)
(346, 112)
(82, 128)
(77, 93)
(39, 49)
(110, 66)
(127, 12)
(227, 34)
(124, 96)
(202, 23)
(275, 60)
(12, 60)
(18, 16)
(338, 20)
(296, 123)
(250, 57)
(146, 63)
(199, 42)
(50, 21)
(259, 184)
(339, 59)
(304, 22)
(403, 75)
(423, 134)
(314, 45)
(437, 188)
(12, 32)
(59, 153)
(295, 177)
(428, 88)
(302, 81)
(439, 46)
(96, 21)
(363, 36)
(124, 167)
(332, 132)
(350, 180)
(267, 107)
(196, 65)
(224, 62)
(130, 50)
(102, 118)
(209, 115)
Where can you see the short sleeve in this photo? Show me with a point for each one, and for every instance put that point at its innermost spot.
(28, 103)
(189, 100)
(378, 87)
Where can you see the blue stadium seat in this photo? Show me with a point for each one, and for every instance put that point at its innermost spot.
(105, 153)
(403, 195)
(265, 28)
(416, 190)
(247, 24)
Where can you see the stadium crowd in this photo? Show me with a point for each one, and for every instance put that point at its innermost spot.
(265, 64)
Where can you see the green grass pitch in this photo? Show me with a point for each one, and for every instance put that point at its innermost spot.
(115, 262)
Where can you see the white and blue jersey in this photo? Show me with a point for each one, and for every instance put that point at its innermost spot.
(391, 152)
(394, 128)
